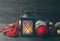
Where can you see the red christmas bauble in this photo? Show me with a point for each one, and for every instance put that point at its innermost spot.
(42, 30)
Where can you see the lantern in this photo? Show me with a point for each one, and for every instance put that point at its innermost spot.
(27, 26)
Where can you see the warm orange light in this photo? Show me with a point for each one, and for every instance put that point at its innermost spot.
(27, 27)
(27, 31)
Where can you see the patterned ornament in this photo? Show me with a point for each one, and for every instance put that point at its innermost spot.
(57, 26)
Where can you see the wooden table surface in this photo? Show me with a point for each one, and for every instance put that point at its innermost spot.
(5, 38)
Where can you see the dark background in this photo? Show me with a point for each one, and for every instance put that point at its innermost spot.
(12, 10)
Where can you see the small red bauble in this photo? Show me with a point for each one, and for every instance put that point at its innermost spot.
(41, 30)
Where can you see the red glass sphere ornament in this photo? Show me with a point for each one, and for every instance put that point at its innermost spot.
(41, 30)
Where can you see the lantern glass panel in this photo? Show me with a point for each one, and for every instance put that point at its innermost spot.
(27, 27)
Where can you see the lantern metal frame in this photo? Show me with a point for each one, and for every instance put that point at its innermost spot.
(33, 26)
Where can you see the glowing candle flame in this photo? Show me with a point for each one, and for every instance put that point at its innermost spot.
(27, 27)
